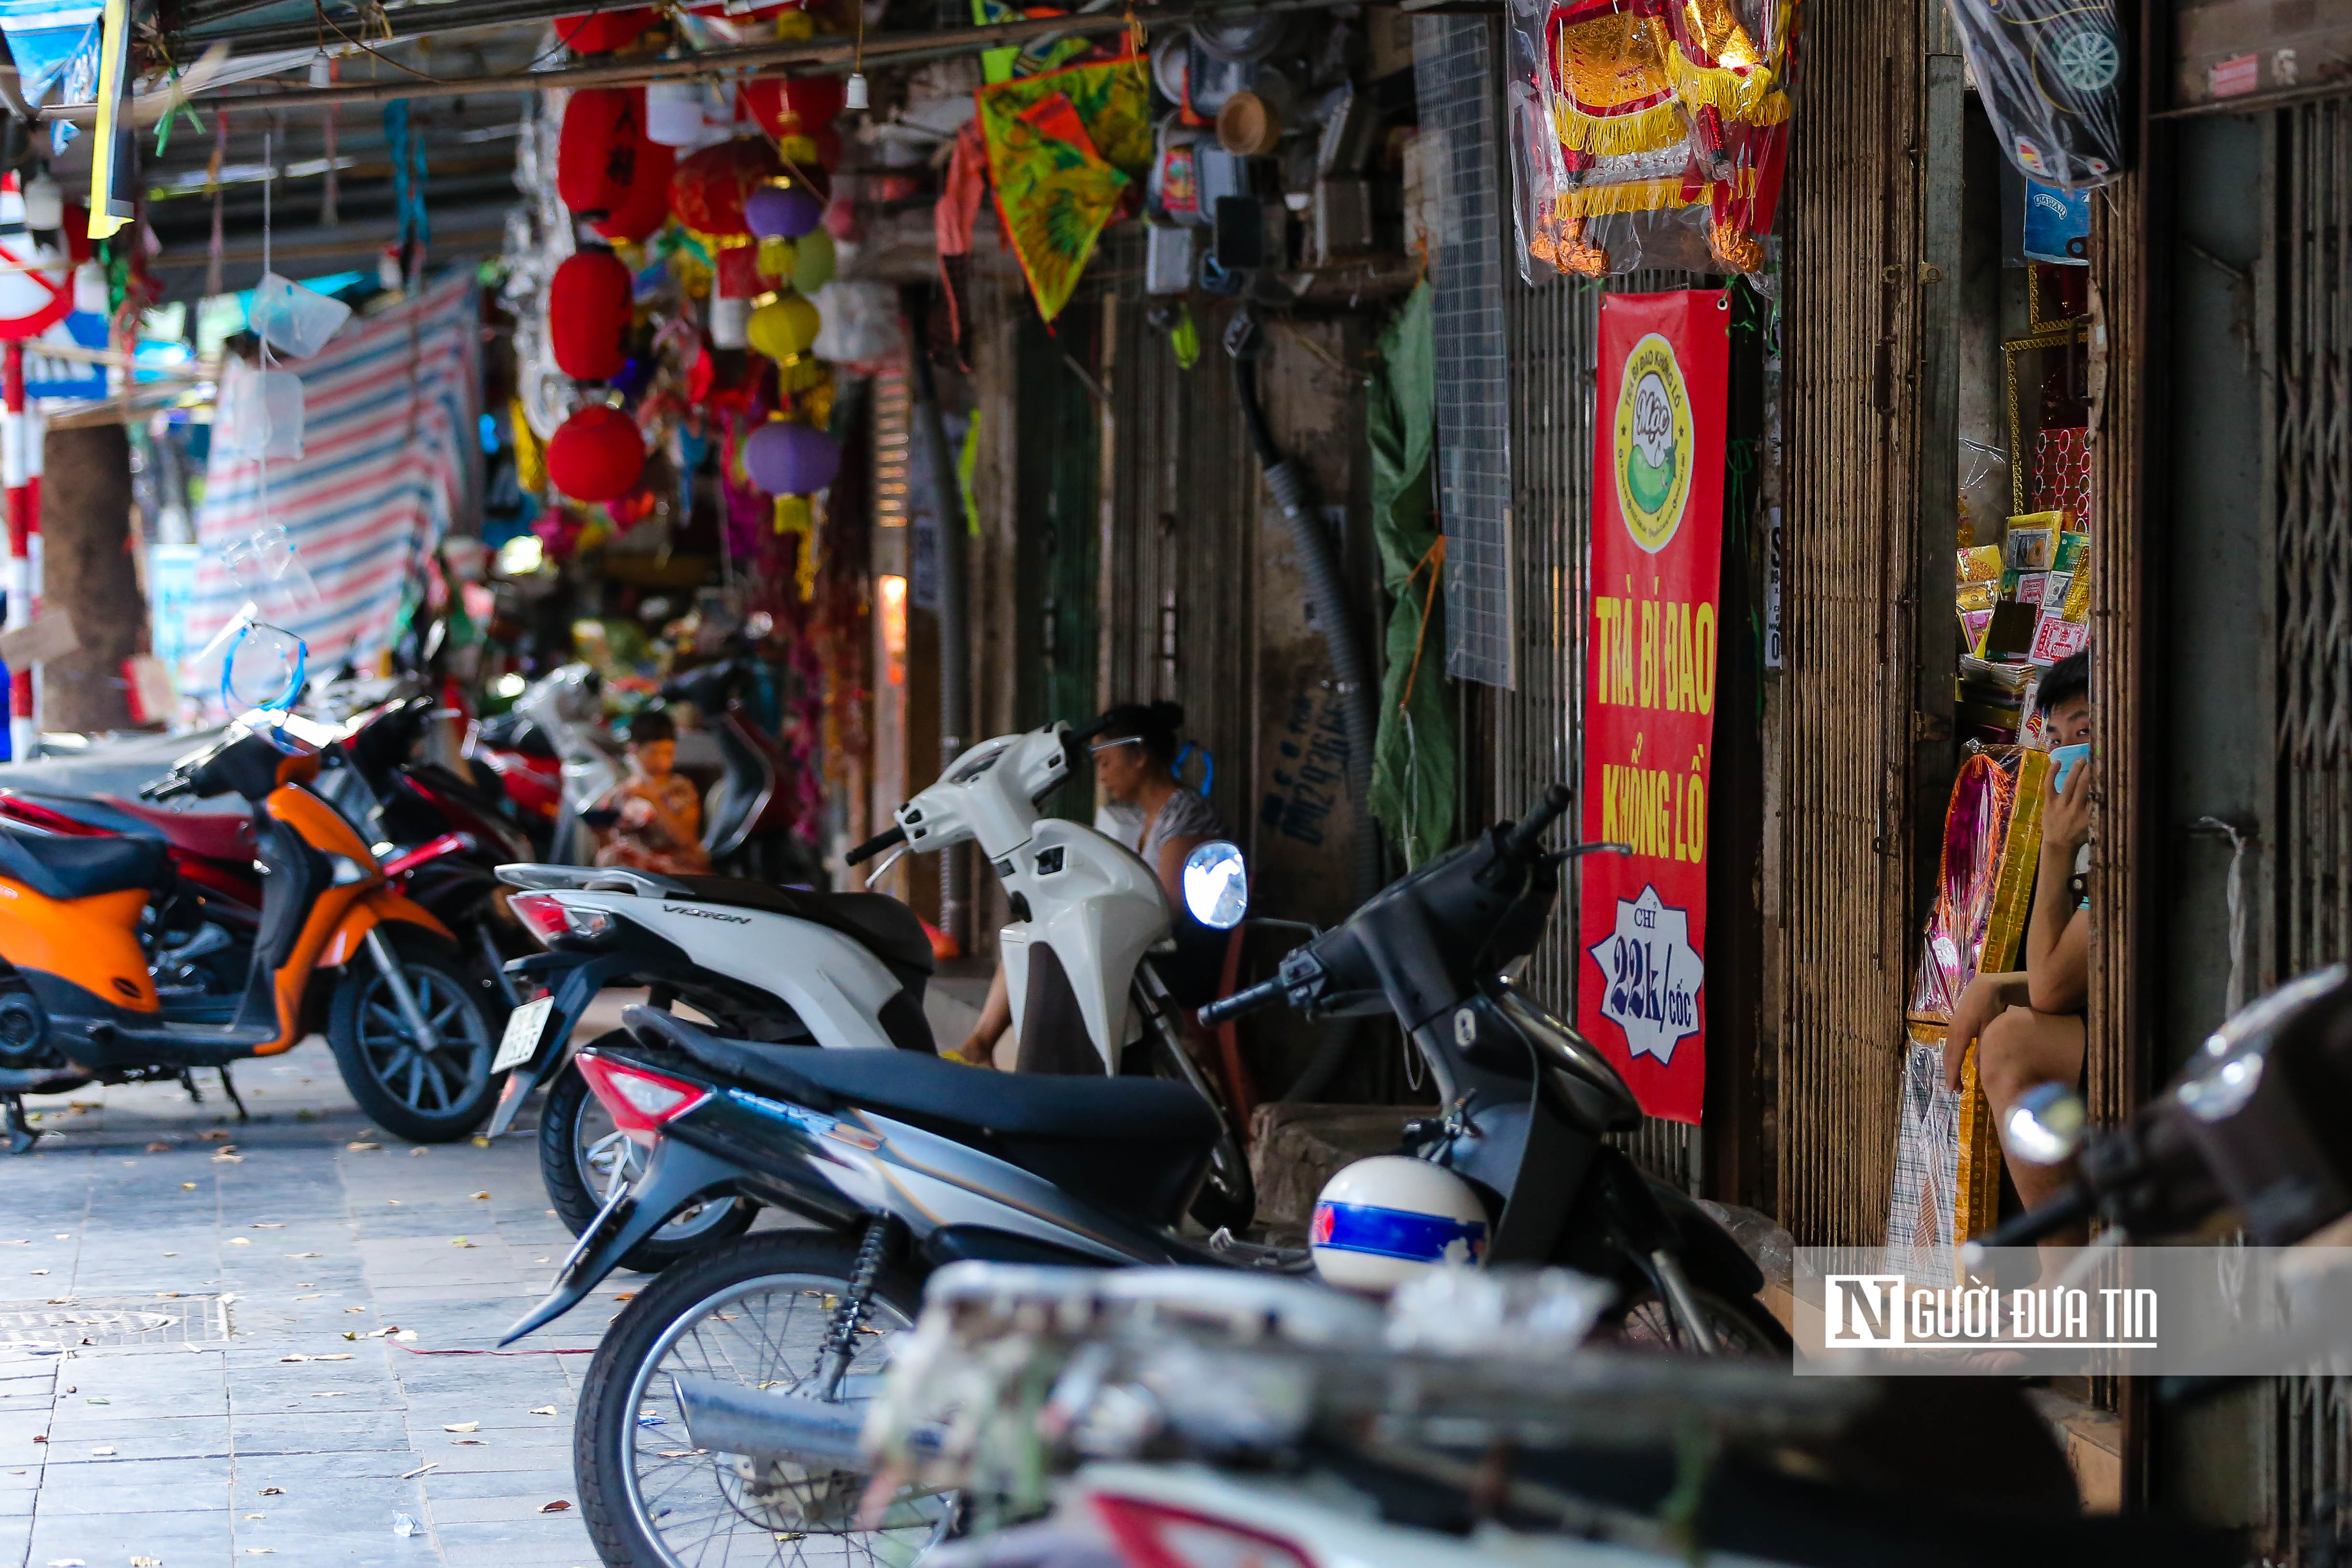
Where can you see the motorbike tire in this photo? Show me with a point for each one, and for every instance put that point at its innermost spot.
(363, 1023)
(576, 1199)
(1227, 1199)
(625, 1402)
(1741, 1325)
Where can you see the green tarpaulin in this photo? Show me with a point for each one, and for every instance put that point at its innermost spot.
(1413, 754)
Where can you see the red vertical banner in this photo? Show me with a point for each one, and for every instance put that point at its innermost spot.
(1649, 695)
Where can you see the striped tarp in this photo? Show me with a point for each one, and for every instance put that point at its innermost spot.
(390, 461)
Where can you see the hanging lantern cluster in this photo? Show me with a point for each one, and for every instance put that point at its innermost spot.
(740, 225)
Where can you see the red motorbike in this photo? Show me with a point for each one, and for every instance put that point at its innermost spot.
(440, 837)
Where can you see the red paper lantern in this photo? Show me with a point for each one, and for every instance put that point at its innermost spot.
(707, 191)
(604, 162)
(800, 106)
(647, 206)
(590, 310)
(601, 32)
(597, 455)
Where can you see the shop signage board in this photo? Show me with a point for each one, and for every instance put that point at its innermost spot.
(1648, 704)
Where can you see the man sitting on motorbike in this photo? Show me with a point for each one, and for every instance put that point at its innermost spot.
(1135, 764)
(2029, 1021)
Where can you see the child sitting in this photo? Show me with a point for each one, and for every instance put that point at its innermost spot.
(657, 822)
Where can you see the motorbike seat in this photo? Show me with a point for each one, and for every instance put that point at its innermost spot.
(208, 835)
(82, 868)
(877, 922)
(1138, 1145)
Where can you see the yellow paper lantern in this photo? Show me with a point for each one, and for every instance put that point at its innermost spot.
(785, 329)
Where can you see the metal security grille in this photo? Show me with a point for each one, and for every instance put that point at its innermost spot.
(2311, 307)
(1454, 73)
(1551, 332)
(1852, 273)
(1181, 501)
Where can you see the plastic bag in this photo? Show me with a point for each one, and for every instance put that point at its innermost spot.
(2048, 73)
(259, 415)
(1922, 1209)
(292, 319)
(1647, 133)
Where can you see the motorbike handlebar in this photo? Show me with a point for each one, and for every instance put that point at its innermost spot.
(1240, 1002)
(1523, 840)
(165, 788)
(875, 846)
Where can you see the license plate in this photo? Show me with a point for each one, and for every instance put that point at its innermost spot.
(524, 1026)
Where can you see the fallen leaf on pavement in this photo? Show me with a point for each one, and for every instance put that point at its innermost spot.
(460, 1241)
(228, 1157)
(558, 1506)
(481, 1196)
(420, 1470)
(419, 1149)
(273, 1491)
(95, 1398)
(461, 1426)
(301, 1254)
(338, 1394)
(240, 1240)
(212, 1135)
(354, 1309)
(103, 1453)
(394, 1202)
(312, 1297)
(544, 1410)
(44, 1270)
(40, 1436)
(269, 1225)
(188, 1186)
(146, 1563)
(261, 1551)
(362, 1148)
(159, 1147)
(67, 1563)
(257, 1516)
(624, 1295)
(339, 1355)
(468, 1443)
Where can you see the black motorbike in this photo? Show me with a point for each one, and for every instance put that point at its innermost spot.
(903, 1163)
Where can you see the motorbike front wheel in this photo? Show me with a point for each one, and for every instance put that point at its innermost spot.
(754, 1312)
(583, 1155)
(1228, 1195)
(426, 1096)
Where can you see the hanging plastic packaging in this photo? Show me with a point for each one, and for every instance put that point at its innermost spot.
(292, 319)
(1647, 133)
(259, 415)
(2050, 73)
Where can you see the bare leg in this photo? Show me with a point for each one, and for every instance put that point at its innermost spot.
(978, 1047)
(2018, 1051)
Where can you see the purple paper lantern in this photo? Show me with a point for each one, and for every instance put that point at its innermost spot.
(784, 212)
(787, 459)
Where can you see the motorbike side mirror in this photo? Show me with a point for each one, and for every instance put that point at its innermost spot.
(1216, 885)
(2046, 1125)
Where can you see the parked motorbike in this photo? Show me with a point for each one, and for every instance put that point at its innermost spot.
(747, 818)
(440, 837)
(846, 971)
(335, 945)
(2255, 1125)
(904, 1163)
(530, 773)
(563, 709)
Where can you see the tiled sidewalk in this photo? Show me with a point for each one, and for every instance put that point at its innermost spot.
(196, 1451)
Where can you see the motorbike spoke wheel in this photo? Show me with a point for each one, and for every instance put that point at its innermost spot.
(1742, 1329)
(753, 1313)
(412, 1093)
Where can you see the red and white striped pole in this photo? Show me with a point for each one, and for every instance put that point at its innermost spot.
(13, 474)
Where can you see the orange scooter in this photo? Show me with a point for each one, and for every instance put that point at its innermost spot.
(337, 948)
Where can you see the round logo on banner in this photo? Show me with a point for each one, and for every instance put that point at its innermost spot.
(1653, 443)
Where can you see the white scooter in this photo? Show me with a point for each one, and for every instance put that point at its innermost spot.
(565, 706)
(846, 971)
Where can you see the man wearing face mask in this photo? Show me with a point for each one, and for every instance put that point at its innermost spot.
(2028, 1023)
(1163, 822)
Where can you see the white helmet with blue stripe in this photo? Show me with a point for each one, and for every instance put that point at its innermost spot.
(1384, 1220)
